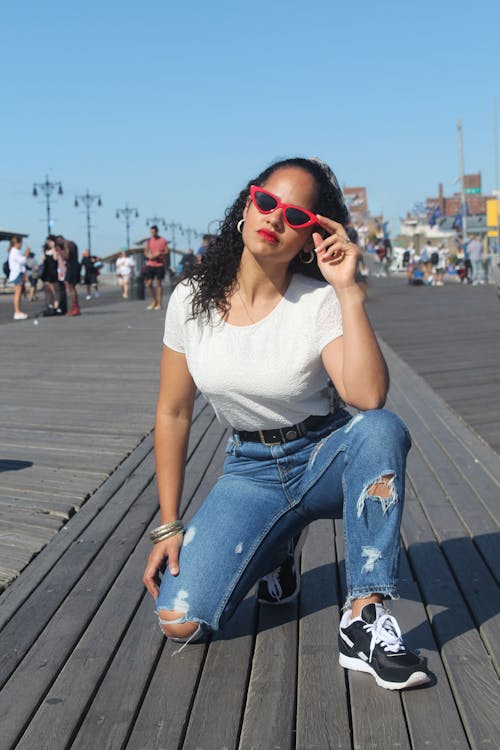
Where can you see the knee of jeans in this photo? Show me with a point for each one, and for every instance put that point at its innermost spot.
(174, 624)
(383, 424)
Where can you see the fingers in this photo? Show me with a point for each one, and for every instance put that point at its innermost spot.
(150, 578)
(173, 562)
(161, 552)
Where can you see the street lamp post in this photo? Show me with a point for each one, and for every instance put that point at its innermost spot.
(126, 214)
(172, 227)
(47, 188)
(189, 231)
(462, 182)
(155, 220)
(87, 201)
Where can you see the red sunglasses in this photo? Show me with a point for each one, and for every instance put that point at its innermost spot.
(295, 216)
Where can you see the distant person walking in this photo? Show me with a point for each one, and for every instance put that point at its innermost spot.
(49, 277)
(91, 273)
(17, 270)
(68, 252)
(475, 252)
(157, 257)
(33, 270)
(124, 271)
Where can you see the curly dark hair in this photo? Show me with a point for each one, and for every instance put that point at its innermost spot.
(213, 280)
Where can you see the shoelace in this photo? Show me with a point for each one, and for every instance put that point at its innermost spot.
(386, 631)
(273, 584)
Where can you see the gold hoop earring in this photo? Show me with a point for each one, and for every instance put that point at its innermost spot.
(306, 258)
(239, 226)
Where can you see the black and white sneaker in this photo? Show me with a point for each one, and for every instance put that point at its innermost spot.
(282, 585)
(372, 643)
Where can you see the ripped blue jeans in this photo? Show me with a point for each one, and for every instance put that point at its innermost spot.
(269, 494)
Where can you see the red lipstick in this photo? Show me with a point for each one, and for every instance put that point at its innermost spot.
(268, 236)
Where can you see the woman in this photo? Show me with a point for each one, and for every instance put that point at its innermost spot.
(261, 340)
(49, 276)
(124, 270)
(17, 273)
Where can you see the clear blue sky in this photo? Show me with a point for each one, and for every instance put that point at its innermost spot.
(172, 107)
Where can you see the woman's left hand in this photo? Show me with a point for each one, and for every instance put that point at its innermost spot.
(337, 255)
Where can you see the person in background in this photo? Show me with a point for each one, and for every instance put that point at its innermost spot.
(124, 268)
(67, 251)
(442, 264)
(17, 269)
(157, 257)
(49, 277)
(33, 271)
(91, 273)
(205, 242)
(475, 253)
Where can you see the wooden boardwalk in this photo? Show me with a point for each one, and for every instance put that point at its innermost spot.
(83, 663)
(77, 396)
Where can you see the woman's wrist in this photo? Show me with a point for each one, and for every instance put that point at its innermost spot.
(350, 294)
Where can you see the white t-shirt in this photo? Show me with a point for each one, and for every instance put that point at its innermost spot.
(17, 263)
(263, 375)
(124, 266)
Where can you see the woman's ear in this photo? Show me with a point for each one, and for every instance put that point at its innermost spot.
(247, 206)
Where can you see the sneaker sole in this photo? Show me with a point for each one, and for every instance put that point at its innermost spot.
(296, 556)
(417, 678)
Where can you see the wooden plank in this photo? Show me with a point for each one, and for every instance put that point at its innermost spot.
(322, 704)
(162, 719)
(112, 712)
(38, 608)
(269, 717)
(378, 718)
(468, 666)
(59, 715)
(430, 710)
(470, 571)
(221, 693)
(21, 632)
(163, 716)
(19, 592)
(49, 653)
(439, 416)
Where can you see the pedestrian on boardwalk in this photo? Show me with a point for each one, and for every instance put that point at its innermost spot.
(68, 255)
(263, 322)
(441, 265)
(124, 270)
(90, 268)
(50, 278)
(32, 271)
(475, 252)
(17, 273)
(157, 257)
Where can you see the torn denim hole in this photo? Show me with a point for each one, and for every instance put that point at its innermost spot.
(386, 479)
(372, 555)
(354, 421)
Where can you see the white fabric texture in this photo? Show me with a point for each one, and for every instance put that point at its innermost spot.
(264, 375)
(17, 263)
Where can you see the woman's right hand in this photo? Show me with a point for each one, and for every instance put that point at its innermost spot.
(163, 553)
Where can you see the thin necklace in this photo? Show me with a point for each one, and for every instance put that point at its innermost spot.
(245, 307)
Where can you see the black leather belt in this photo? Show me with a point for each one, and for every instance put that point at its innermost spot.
(281, 434)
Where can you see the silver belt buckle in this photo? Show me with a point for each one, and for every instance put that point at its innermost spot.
(264, 441)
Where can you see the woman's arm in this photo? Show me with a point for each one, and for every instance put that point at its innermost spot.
(353, 361)
(172, 426)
